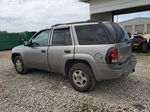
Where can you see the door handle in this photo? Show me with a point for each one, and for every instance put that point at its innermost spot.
(67, 51)
(43, 51)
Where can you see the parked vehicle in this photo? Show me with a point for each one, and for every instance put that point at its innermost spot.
(139, 42)
(85, 52)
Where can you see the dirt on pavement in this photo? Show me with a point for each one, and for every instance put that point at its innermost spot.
(40, 91)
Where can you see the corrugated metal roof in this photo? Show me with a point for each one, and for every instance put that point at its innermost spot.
(84, 0)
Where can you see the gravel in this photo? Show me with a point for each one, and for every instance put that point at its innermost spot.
(40, 91)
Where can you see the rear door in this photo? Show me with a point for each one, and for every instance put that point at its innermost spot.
(61, 49)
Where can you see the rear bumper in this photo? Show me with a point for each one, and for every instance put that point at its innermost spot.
(105, 71)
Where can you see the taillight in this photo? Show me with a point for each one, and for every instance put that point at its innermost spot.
(112, 55)
(141, 40)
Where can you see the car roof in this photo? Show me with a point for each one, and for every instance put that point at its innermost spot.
(80, 22)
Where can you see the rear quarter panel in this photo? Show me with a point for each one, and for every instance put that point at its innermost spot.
(92, 53)
(95, 56)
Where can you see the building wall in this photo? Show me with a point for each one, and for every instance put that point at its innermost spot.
(140, 24)
(128, 28)
(140, 28)
(148, 28)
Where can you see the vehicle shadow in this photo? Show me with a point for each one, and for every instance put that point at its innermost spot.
(47, 76)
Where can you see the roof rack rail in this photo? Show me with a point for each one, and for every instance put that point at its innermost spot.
(88, 21)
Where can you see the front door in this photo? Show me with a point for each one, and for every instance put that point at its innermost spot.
(37, 52)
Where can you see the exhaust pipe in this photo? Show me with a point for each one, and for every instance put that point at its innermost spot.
(133, 70)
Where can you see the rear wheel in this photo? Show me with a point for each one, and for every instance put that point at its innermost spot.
(81, 77)
(144, 47)
(19, 65)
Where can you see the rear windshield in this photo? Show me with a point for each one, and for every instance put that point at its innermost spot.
(91, 35)
(117, 33)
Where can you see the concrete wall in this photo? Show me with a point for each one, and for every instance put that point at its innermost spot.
(102, 16)
(137, 24)
(104, 10)
(101, 6)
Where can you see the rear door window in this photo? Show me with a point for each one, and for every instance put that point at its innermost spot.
(61, 37)
(91, 35)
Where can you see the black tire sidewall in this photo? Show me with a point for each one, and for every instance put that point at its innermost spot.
(86, 69)
(144, 47)
(23, 67)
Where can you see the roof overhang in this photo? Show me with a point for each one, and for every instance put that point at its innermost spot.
(85, 0)
(117, 6)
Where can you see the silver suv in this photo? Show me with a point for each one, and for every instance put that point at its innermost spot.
(84, 52)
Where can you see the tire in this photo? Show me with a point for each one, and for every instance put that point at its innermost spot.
(144, 47)
(149, 44)
(81, 77)
(19, 65)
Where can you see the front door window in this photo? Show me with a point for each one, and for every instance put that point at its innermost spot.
(41, 39)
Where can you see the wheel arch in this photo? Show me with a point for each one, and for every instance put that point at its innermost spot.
(70, 63)
(14, 55)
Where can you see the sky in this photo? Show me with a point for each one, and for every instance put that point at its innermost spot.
(33, 15)
(124, 17)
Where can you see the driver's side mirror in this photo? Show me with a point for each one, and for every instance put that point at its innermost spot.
(27, 43)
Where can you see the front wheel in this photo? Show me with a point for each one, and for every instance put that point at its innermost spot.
(81, 77)
(19, 65)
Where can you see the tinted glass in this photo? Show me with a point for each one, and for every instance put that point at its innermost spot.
(125, 37)
(116, 33)
(112, 33)
(91, 35)
(41, 39)
(61, 37)
(120, 33)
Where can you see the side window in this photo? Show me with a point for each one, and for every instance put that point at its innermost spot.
(125, 37)
(91, 35)
(41, 39)
(120, 33)
(61, 37)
